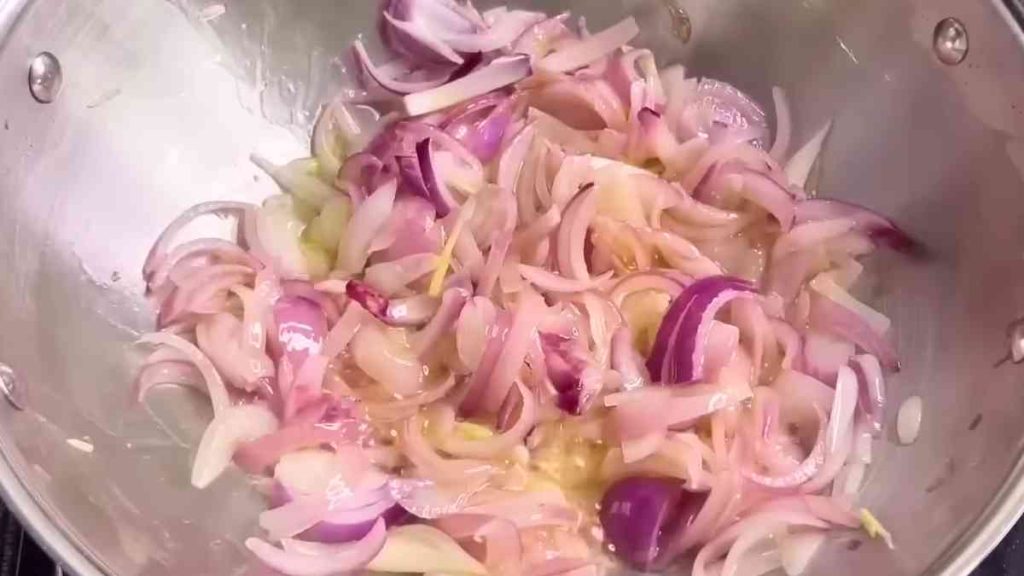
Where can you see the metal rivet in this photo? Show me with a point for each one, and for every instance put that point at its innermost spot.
(950, 41)
(9, 388)
(45, 77)
(680, 20)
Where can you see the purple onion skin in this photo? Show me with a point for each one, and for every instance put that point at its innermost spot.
(672, 353)
(331, 533)
(295, 313)
(641, 514)
(565, 370)
(374, 302)
(335, 533)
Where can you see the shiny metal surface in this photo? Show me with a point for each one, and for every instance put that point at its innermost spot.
(45, 77)
(951, 42)
(163, 103)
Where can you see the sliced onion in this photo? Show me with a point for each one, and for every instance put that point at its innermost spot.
(158, 252)
(825, 354)
(574, 380)
(309, 559)
(872, 390)
(428, 462)
(512, 436)
(411, 38)
(367, 221)
(783, 125)
(433, 183)
(798, 550)
(572, 234)
(257, 456)
(471, 331)
(799, 166)
(341, 334)
(551, 282)
(420, 548)
(388, 82)
(835, 311)
(220, 337)
(487, 390)
(299, 177)
(497, 74)
(301, 328)
(583, 52)
(389, 361)
(432, 20)
(214, 384)
(279, 228)
(411, 229)
(391, 277)
(229, 430)
(877, 227)
(429, 500)
(908, 420)
(678, 353)
(639, 513)
(482, 125)
(667, 282)
(366, 296)
(427, 340)
(413, 311)
(222, 250)
(802, 473)
(760, 525)
(505, 30)
(839, 436)
(641, 417)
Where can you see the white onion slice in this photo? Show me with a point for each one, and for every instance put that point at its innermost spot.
(797, 550)
(592, 48)
(234, 426)
(908, 420)
(367, 221)
(418, 548)
(497, 74)
(798, 169)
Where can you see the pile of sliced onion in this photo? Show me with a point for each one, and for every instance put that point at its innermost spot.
(527, 275)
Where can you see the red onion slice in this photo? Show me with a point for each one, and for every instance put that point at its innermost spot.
(575, 381)
(421, 548)
(497, 74)
(597, 46)
(481, 125)
(226, 433)
(393, 84)
(436, 188)
(872, 390)
(327, 559)
(410, 38)
(834, 311)
(367, 221)
(214, 384)
(158, 252)
(679, 348)
(503, 32)
(301, 328)
(875, 226)
(783, 125)
(798, 169)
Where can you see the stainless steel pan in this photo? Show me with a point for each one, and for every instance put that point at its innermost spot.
(160, 106)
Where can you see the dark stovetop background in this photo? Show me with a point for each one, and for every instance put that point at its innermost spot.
(20, 556)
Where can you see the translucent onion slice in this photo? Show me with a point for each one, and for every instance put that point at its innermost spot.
(497, 74)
